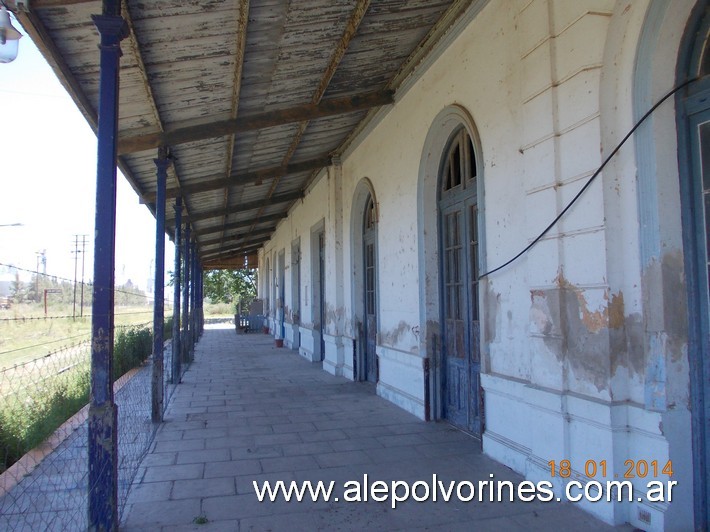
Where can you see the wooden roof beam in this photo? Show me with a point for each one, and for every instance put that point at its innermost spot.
(238, 225)
(245, 178)
(242, 23)
(133, 141)
(235, 262)
(356, 17)
(247, 206)
(227, 253)
(238, 236)
(240, 245)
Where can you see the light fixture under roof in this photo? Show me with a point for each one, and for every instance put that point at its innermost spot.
(9, 37)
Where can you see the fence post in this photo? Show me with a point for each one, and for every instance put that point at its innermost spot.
(177, 366)
(186, 298)
(102, 424)
(161, 163)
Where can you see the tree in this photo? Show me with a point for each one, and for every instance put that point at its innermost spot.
(231, 286)
(18, 292)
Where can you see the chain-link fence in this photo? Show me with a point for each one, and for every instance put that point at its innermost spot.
(44, 480)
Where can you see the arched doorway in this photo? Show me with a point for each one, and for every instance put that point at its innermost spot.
(694, 159)
(369, 253)
(459, 269)
(364, 220)
(267, 293)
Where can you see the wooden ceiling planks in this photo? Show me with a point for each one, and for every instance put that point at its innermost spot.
(242, 91)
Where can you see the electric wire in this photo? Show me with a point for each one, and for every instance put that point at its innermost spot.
(592, 178)
(86, 336)
(85, 316)
(42, 345)
(56, 277)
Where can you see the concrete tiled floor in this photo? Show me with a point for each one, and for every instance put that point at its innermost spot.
(247, 411)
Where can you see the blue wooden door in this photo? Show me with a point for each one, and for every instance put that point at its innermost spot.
(459, 273)
(321, 292)
(282, 295)
(370, 303)
(699, 283)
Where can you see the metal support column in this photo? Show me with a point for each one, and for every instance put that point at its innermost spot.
(193, 298)
(177, 366)
(102, 423)
(200, 306)
(161, 163)
(186, 298)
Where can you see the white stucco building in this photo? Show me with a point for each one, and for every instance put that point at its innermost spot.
(590, 347)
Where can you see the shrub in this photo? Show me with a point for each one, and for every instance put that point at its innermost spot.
(131, 347)
(36, 409)
(29, 417)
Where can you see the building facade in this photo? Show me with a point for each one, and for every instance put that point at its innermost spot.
(592, 345)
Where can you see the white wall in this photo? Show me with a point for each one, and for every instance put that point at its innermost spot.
(547, 87)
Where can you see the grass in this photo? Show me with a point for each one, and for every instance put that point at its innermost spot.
(22, 341)
(28, 419)
(36, 400)
(219, 310)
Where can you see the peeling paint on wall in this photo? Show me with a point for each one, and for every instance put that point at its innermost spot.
(666, 333)
(334, 318)
(599, 342)
(572, 331)
(433, 351)
(395, 337)
(491, 314)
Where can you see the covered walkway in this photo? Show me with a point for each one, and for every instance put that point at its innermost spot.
(248, 411)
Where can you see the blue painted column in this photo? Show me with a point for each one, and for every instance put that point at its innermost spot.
(193, 292)
(200, 302)
(186, 298)
(102, 423)
(161, 163)
(177, 352)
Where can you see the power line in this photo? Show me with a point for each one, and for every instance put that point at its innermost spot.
(64, 279)
(42, 345)
(591, 179)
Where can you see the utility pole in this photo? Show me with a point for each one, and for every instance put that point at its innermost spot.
(41, 258)
(83, 256)
(76, 260)
(37, 277)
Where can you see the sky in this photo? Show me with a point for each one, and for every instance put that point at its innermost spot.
(48, 181)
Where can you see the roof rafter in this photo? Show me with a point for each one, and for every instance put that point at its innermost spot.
(238, 236)
(232, 262)
(228, 253)
(274, 200)
(131, 142)
(236, 90)
(456, 11)
(356, 17)
(255, 176)
(136, 49)
(238, 225)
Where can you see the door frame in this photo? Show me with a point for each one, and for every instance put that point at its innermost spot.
(363, 190)
(281, 294)
(296, 292)
(318, 291)
(370, 238)
(443, 126)
(460, 201)
(693, 109)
